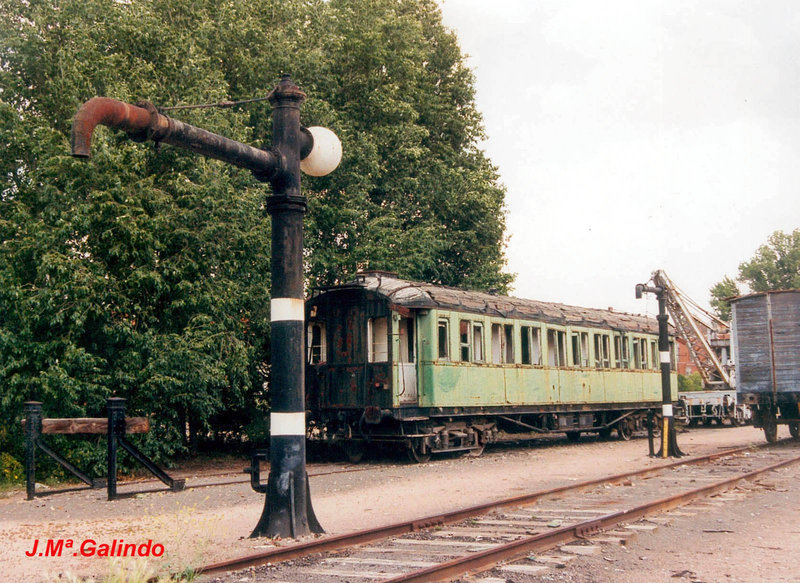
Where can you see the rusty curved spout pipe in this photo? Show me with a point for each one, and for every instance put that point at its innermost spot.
(143, 123)
(108, 112)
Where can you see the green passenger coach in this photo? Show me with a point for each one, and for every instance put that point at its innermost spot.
(438, 369)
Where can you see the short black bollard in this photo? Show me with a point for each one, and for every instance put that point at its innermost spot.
(33, 427)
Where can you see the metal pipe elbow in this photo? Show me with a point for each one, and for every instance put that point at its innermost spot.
(109, 112)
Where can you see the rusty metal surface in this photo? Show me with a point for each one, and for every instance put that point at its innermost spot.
(144, 122)
(410, 295)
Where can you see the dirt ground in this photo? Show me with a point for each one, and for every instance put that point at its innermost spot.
(759, 534)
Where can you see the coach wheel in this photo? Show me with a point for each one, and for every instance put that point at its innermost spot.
(416, 451)
(770, 424)
(794, 429)
(574, 436)
(353, 451)
(624, 430)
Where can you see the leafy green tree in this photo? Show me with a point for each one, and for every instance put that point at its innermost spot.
(775, 265)
(722, 290)
(690, 382)
(144, 273)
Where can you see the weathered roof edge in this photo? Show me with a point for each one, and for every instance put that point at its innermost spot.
(763, 293)
(419, 295)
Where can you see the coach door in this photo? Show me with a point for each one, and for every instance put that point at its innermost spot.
(406, 362)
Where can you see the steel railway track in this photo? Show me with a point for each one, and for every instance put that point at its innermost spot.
(478, 538)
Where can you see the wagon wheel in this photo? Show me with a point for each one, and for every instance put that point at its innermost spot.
(770, 424)
(353, 450)
(416, 452)
(624, 430)
(794, 429)
(574, 436)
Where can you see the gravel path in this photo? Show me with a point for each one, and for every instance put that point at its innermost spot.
(206, 524)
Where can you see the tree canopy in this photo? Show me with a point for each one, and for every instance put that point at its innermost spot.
(144, 273)
(775, 265)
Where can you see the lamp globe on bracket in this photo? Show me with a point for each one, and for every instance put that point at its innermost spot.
(325, 154)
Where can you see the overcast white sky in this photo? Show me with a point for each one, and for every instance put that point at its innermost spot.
(636, 135)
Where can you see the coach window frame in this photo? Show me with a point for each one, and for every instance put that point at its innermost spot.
(443, 342)
(321, 346)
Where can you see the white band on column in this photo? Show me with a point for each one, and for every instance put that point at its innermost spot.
(287, 309)
(666, 410)
(664, 357)
(287, 423)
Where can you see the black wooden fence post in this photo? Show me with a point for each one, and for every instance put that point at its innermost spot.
(33, 427)
(116, 428)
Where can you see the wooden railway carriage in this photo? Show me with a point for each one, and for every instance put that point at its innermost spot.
(766, 343)
(439, 369)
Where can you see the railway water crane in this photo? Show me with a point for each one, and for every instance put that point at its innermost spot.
(695, 326)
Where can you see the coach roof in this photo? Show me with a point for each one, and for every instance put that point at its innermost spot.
(418, 295)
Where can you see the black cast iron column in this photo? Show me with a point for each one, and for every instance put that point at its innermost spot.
(287, 508)
(669, 441)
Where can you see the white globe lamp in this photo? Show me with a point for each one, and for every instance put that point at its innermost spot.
(325, 154)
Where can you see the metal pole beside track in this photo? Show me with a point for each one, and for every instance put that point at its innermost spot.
(669, 441)
(287, 508)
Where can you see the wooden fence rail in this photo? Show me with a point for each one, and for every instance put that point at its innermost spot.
(115, 426)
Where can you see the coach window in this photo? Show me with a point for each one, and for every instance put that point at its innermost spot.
(531, 345)
(316, 343)
(601, 351)
(536, 346)
(509, 343)
(444, 340)
(525, 343)
(502, 343)
(465, 340)
(497, 343)
(378, 339)
(654, 359)
(556, 348)
(639, 353)
(580, 349)
(405, 331)
(622, 355)
(477, 342)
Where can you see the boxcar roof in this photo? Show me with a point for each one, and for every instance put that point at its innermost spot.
(764, 293)
(418, 295)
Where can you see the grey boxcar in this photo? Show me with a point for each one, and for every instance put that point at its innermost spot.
(766, 343)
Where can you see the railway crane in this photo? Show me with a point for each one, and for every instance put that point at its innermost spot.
(694, 325)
